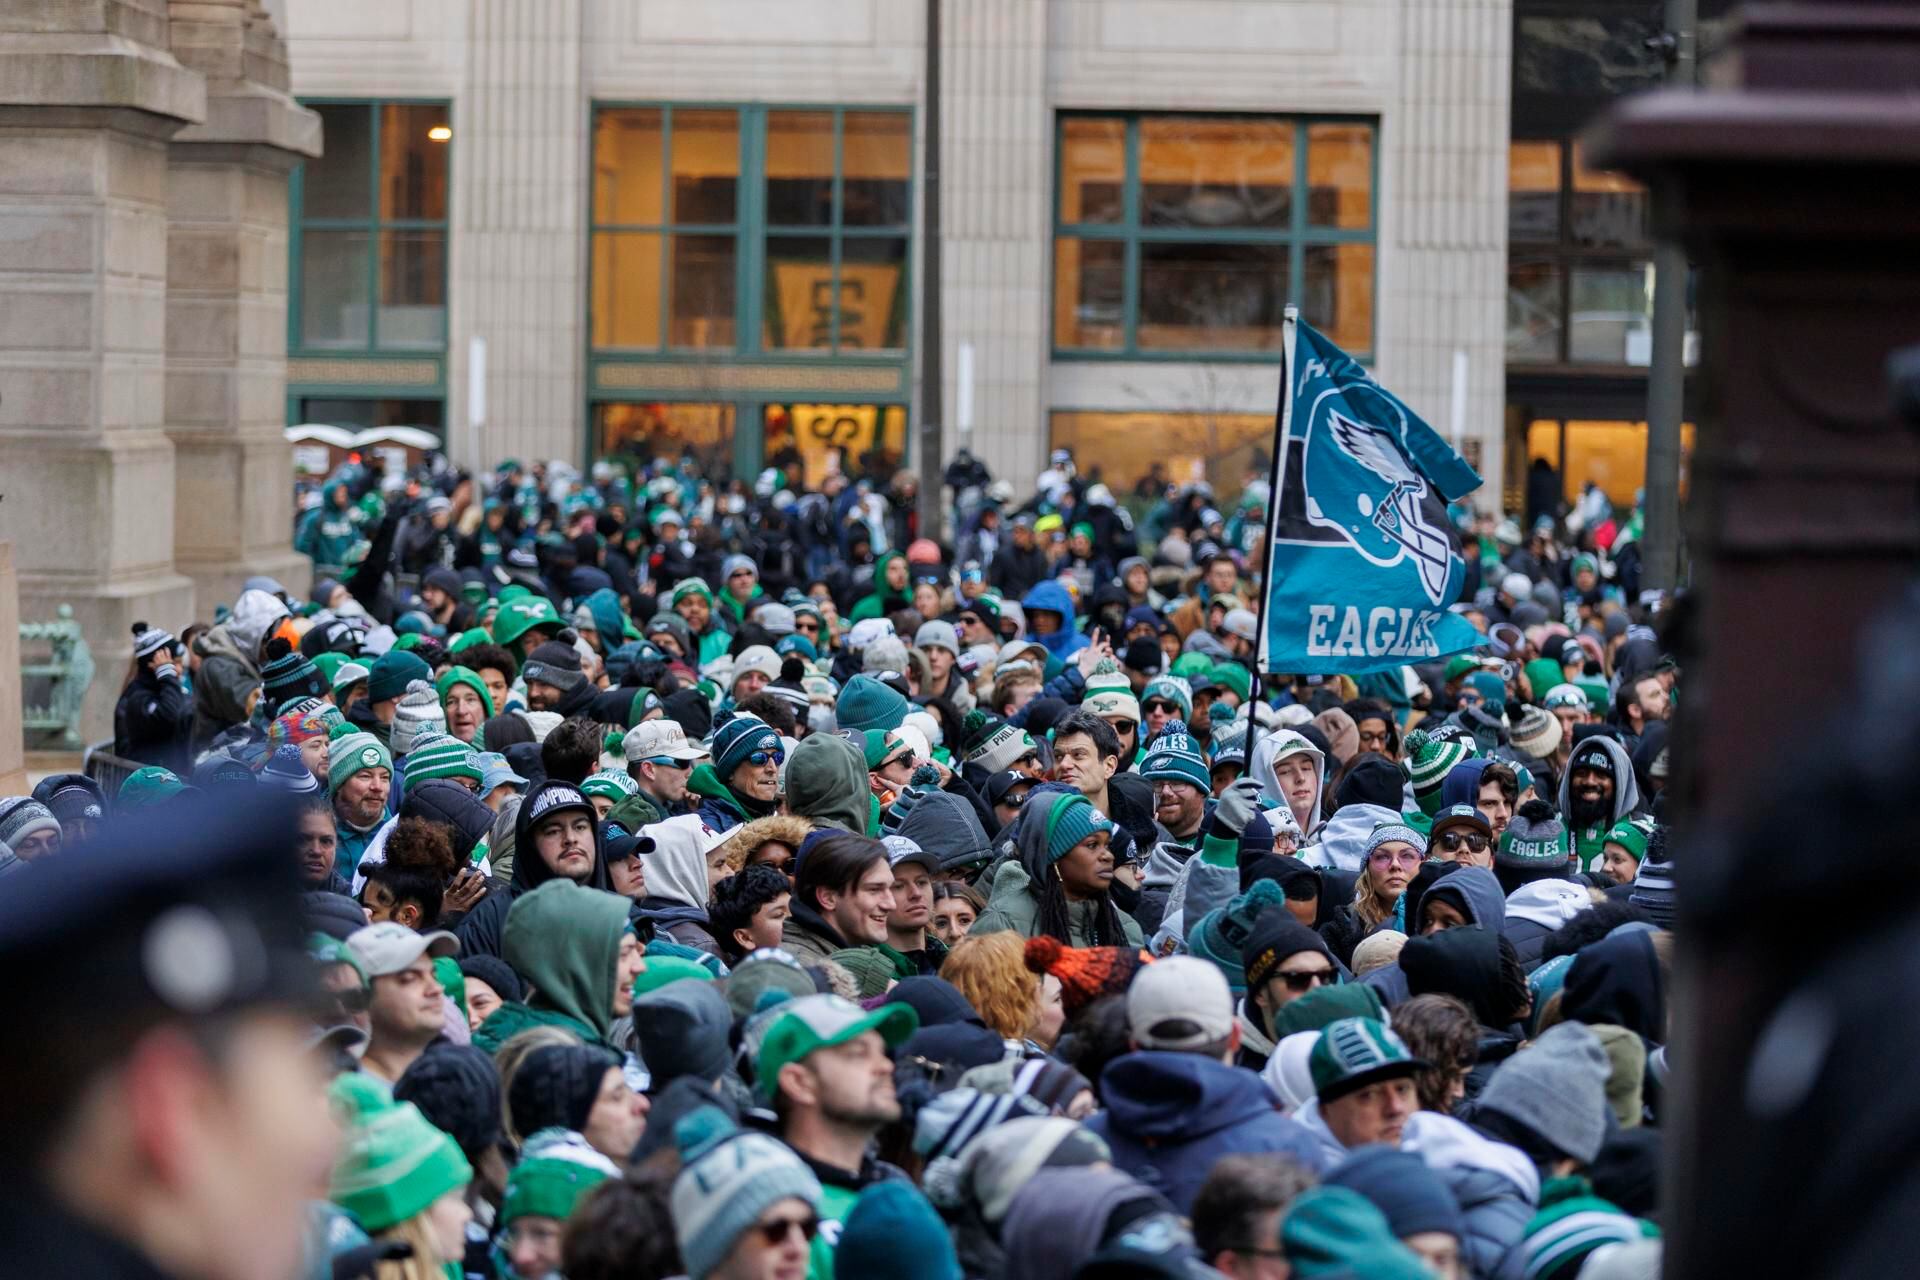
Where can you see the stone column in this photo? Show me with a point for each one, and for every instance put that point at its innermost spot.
(519, 231)
(89, 96)
(995, 198)
(227, 302)
(1443, 231)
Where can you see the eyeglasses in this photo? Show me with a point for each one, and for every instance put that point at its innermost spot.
(776, 1231)
(1452, 840)
(1168, 787)
(1030, 760)
(1305, 979)
(1387, 857)
(760, 759)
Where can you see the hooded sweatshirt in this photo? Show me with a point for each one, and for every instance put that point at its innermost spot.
(1462, 783)
(1343, 839)
(481, 932)
(1064, 641)
(676, 901)
(1268, 752)
(1014, 902)
(827, 785)
(1170, 1117)
(883, 599)
(1589, 842)
(1475, 893)
(564, 941)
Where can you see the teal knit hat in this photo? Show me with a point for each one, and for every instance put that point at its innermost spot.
(1427, 763)
(148, 786)
(392, 672)
(441, 756)
(1329, 1231)
(349, 753)
(1221, 935)
(393, 1163)
(1231, 675)
(1173, 756)
(1324, 1006)
(894, 1231)
(867, 703)
(1632, 835)
(1174, 689)
(1071, 820)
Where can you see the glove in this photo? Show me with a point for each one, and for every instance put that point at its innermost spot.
(1236, 807)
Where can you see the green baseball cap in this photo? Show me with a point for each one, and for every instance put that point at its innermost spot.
(821, 1022)
(1353, 1053)
(518, 617)
(328, 951)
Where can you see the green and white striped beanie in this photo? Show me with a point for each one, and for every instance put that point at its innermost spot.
(1571, 1224)
(1428, 762)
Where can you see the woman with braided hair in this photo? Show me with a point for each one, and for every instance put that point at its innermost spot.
(1060, 883)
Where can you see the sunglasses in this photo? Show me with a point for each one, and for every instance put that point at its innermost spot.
(1469, 699)
(760, 759)
(1386, 857)
(1305, 979)
(1158, 704)
(1451, 841)
(970, 620)
(805, 624)
(1123, 727)
(348, 1000)
(668, 762)
(777, 1231)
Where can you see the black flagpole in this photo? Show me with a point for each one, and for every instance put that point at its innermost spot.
(1282, 421)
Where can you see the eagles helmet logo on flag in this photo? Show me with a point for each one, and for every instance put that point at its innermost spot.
(1363, 569)
(1389, 519)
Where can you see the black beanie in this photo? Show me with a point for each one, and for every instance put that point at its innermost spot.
(496, 973)
(556, 1085)
(287, 675)
(1371, 779)
(1277, 935)
(556, 664)
(689, 709)
(457, 1088)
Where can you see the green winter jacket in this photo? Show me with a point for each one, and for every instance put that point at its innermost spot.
(327, 532)
(827, 785)
(564, 940)
(1013, 905)
(883, 597)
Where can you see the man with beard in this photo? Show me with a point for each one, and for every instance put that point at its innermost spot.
(1641, 701)
(1597, 790)
(824, 1067)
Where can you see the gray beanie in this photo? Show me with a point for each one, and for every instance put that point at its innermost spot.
(1557, 1087)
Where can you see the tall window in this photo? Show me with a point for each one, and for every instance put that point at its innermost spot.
(1579, 260)
(370, 230)
(751, 230)
(1190, 234)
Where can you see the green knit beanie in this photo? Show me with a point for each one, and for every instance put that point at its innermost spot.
(470, 678)
(556, 1169)
(1571, 1224)
(665, 970)
(1231, 675)
(393, 1163)
(872, 968)
(1632, 835)
(349, 753)
(148, 786)
(1428, 761)
(441, 756)
(1071, 820)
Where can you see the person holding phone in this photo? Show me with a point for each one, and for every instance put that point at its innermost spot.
(153, 721)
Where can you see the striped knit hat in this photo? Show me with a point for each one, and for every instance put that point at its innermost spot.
(1110, 692)
(609, 784)
(739, 738)
(351, 752)
(1653, 886)
(1535, 843)
(287, 675)
(1571, 1224)
(1085, 973)
(991, 742)
(1173, 756)
(1427, 764)
(296, 729)
(440, 756)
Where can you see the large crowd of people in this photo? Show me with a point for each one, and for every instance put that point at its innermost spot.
(730, 879)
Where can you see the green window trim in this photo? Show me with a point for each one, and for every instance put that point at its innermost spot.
(1297, 238)
(372, 225)
(755, 299)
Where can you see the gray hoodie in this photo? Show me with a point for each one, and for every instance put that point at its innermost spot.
(1475, 892)
(1626, 797)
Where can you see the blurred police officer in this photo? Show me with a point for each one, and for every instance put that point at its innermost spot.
(161, 1114)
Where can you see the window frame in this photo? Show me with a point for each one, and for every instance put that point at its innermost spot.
(751, 231)
(298, 224)
(1298, 236)
(1567, 256)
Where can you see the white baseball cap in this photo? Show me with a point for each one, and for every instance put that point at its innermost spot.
(1179, 1003)
(387, 948)
(654, 739)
